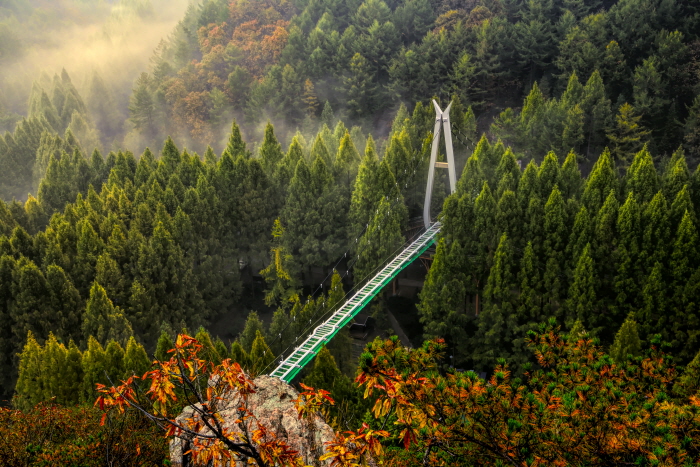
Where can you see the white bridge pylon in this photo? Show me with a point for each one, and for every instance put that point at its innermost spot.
(442, 119)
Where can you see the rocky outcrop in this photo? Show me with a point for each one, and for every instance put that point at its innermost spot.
(273, 406)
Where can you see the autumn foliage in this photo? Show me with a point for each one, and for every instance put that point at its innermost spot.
(50, 434)
(577, 408)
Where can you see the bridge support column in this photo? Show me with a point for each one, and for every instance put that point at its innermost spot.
(442, 119)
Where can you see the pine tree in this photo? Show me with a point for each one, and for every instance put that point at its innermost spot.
(382, 238)
(29, 304)
(642, 178)
(270, 150)
(472, 179)
(115, 361)
(628, 136)
(283, 288)
(581, 304)
(239, 355)
(656, 236)
(653, 316)
(310, 99)
(570, 182)
(555, 238)
(598, 115)
(347, 161)
(360, 90)
(628, 274)
(604, 236)
(508, 165)
(136, 361)
(253, 326)
(65, 302)
(72, 375)
(102, 320)
(627, 341)
(443, 305)
(681, 205)
(236, 146)
(29, 389)
(601, 180)
(497, 321)
(169, 158)
(164, 344)
(260, 355)
(327, 115)
(53, 363)
(325, 374)
(684, 288)
(364, 195)
(509, 217)
(689, 382)
(209, 352)
(95, 363)
(529, 309)
(320, 150)
(529, 185)
(488, 157)
(676, 175)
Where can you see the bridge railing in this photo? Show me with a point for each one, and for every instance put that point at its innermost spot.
(331, 324)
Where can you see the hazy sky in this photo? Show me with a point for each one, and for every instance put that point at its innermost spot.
(119, 49)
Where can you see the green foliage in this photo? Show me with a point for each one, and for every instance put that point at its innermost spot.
(627, 342)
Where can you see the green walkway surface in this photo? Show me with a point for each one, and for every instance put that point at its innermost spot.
(305, 352)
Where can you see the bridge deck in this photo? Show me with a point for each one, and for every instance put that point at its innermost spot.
(305, 352)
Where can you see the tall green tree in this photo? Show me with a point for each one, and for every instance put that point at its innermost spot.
(382, 238)
(627, 341)
(497, 321)
(582, 301)
(270, 150)
(103, 320)
(628, 135)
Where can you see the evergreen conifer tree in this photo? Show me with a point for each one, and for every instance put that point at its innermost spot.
(382, 238)
(236, 146)
(260, 355)
(653, 316)
(253, 326)
(136, 361)
(270, 150)
(497, 321)
(238, 354)
(627, 341)
(347, 161)
(582, 301)
(689, 382)
(95, 363)
(628, 135)
(570, 182)
(102, 320)
(642, 178)
(29, 388)
(601, 180)
(165, 343)
(656, 235)
(283, 287)
(628, 274)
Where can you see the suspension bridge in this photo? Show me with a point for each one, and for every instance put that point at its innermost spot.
(302, 354)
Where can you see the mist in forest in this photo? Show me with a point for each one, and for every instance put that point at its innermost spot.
(113, 39)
